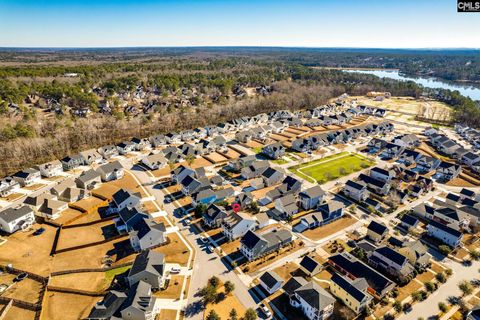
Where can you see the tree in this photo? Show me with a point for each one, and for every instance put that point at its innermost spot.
(430, 286)
(475, 254)
(233, 315)
(441, 277)
(200, 210)
(442, 306)
(171, 165)
(449, 272)
(416, 296)
(444, 249)
(397, 305)
(190, 158)
(229, 287)
(466, 287)
(209, 294)
(213, 315)
(250, 314)
(214, 281)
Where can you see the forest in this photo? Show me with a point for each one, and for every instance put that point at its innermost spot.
(55, 103)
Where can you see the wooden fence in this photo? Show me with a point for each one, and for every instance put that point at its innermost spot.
(96, 243)
(84, 270)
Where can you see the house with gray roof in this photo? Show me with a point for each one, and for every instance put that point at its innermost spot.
(353, 293)
(19, 218)
(108, 306)
(88, 180)
(67, 191)
(108, 151)
(270, 281)
(140, 304)
(237, 224)
(254, 245)
(72, 162)
(147, 233)
(311, 197)
(214, 216)
(149, 266)
(274, 150)
(314, 301)
(125, 147)
(111, 171)
(91, 156)
(50, 169)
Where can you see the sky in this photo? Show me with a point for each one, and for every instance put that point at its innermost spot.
(294, 23)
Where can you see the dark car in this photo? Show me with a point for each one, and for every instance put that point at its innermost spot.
(20, 277)
(39, 231)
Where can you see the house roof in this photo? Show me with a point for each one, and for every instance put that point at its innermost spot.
(309, 264)
(89, 175)
(108, 306)
(150, 261)
(110, 167)
(315, 295)
(293, 284)
(250, 239)
(313, 192)
(11, 214)
(409, 220)
(148, 226)
(444, 228)
(123, 194)
(355, 185)
(270, 279)
(378, 228)
(356, 288)
(331, 206)
(392, 255)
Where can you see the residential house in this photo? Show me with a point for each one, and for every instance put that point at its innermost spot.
(274, 151)
(158, 140)
(244, 136)
(237, 224)
(254, 170)
(311, 197)
(140, 304)
(325, 214)
(447, 171)
(140, 144)
(27, 177)
(310, 266)
(417, 253)
(408, 157)
(376, 145)
(353, 293)
(254, 245)
(8, 186)
(270, 281)
(377, 231)
(51, 169)
(105, 309)
(407, 140)
(67, 191)
(125, 147)
(348, 265)
(470, 158)
(51, 208)
(242, 162)
(72, 162)
(108, 151)
(391, 151)
(314, 301)
(391, 262)
(301, 145)
(446, 234)
(154, 161)
(90, 156)
(244, 199)
(127, 218)
(356, 190)
(378, 186)
(382, 174)
(146, 234)
(287, 205)
(19, 218)
(409, 222)
(272, 176)
(214, 216)
(111, 171)
(88, 180)
(426, 163)
(124, 198)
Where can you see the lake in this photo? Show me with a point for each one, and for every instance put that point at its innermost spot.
(464, 89)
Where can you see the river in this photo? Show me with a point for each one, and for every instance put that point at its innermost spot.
(464, 89)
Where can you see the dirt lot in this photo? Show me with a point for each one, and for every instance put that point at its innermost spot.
(272, 257)
(215, 157)
(426, 277)
(12, 197)
(200, 163)
(28, 252)
(329, 229)
(288, 270)
(437, 267)
(89, 204)
(459, 182)
(253, 144)
(173, 290)
(105, 191)
(91, 257)
(407, 290)
(16, 313)
(88, 281)
(34, 187)
(68, 214)
(230, 247)
(27, 290)
(224, 307)
(175, 251)
(167, 314)
(149, 206)
(72, 237)
(162, 172)
(127, 182)
(231, 154)
(59, 306)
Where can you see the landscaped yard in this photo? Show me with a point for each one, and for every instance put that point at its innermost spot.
(331, 167)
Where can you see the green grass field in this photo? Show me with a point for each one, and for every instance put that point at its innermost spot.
(331, 167)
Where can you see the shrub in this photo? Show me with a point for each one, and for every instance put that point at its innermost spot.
(397, 306)
(444, 249)
(443, 307)
(441, 277)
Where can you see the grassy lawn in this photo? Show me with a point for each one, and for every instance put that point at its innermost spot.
(331, 167)
(110, 274)
(280, 161)
(257, 149)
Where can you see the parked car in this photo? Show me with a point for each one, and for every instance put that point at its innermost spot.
(39, 231)
(20, 277)
(210, 249)
(187, 221)
(203, 240)
(265, 310)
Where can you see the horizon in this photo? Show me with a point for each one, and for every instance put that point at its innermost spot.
(370, 24)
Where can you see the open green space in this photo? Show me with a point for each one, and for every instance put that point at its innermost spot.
(331, 167)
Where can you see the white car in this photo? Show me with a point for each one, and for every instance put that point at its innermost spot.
(210, 249)
(265, 310)
(203, 239)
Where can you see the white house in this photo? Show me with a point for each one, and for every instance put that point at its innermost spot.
(314, 301)
(237, 224)
(13, 219)
(449, 236)
(270, 281)
(51, 169)
(356, 190)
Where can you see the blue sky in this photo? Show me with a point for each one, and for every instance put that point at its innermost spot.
(344, 23)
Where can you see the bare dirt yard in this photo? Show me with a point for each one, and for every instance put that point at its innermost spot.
(329, 229)
(224, 307)
(176, 251)
(215, 158)
(16, 313)
(88, 205)
(127, 182)
(59, 306)
(28, 252)
(27, 290)
(173, 290)
(71, 237)
(88, 281)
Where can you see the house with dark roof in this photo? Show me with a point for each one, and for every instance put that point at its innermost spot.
(391, 151)
(140, 304)
(254, 245)
(378, 186)
(310, 266)
(270, 281)
(348, 265)
(408, 157)
(384, 175)
(293, 284)
(272, 176)
(72, 162)
(254, 169)
(8, 186)
(237, 224)
(376, 145)
(447, 171)
(125, 147)
(391, 262)
(123, 198)
(376, 231)
(158, 140)
(147, 233)
(426, 163)
(356, 190)
(469, 158)
(408, 221)
(108, 306)
(314, 301)
(18, 218)
(407, 140)
(27, 177)
(214, 216)
(149, 266)
(353, 293)
(446, 234)
(311, 197)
